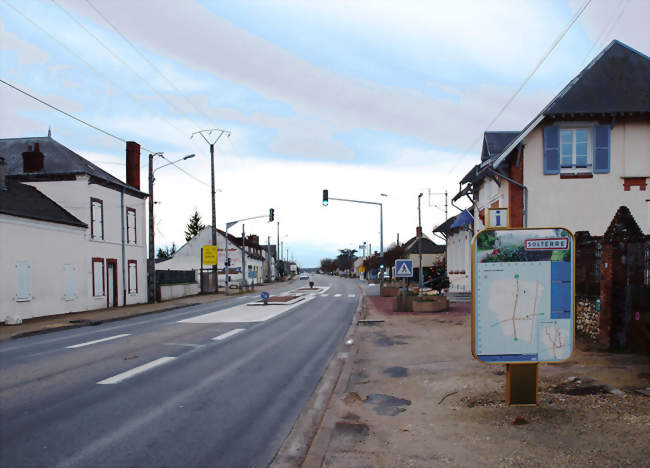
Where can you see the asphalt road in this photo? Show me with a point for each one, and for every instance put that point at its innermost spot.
(213, 385)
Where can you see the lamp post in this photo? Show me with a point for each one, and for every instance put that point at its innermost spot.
(151, 261)
(420, 272)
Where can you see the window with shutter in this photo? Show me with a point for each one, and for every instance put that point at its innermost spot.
(69, 282)
(98, 277)
(601, 149)
(131, 233)
(551, 150)
(24, 277)
(96, 218)
(133, 276)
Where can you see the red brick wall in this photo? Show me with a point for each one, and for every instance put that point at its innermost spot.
(516, 193)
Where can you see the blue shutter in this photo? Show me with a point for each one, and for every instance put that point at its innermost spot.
(601, 149)
(551, 150)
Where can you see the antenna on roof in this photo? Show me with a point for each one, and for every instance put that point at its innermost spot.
(49, 131)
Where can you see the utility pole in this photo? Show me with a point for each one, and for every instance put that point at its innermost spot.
(243, 257)
(151, 265)
(277, 254)
(436, 206)
(268, 256)
(220, 133)
(420, 270)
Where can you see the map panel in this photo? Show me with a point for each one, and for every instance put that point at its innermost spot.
(523, 295)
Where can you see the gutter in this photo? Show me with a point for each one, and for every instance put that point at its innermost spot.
(519, 185)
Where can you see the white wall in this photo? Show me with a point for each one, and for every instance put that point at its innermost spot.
(46, 248)
(459, 243)
(75, 196)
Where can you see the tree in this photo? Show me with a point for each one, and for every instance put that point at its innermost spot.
(166, 252)
(327, 265)
(345, 259)
(194, 226)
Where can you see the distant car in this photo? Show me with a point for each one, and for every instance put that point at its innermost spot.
(304, 276)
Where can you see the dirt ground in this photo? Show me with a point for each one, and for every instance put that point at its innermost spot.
(417, 398)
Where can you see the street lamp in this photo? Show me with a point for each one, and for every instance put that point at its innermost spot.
(151, 265)
(420, 273)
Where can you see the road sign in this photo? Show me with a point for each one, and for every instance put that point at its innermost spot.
(209, 254)
(403, 268)
(252, 274)
(523, 295)
(264, 295)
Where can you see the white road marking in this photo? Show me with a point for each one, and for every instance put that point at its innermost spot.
(324, 295)
(351, 295)
(88, 343)
(371, 285)
(228, 334)
(136, 370)
(338, 295)
(189, 345)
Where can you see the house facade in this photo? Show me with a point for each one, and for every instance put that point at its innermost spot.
(458, 233)
(114, 242)
(585, 155)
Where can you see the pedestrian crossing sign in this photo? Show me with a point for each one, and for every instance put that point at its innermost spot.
(404, 268)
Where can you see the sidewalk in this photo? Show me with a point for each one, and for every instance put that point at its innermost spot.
(94, 317)
(413, 395)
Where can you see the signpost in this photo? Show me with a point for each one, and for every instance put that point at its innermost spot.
(522, 303)
(498, 218)
(209, 254)
(404, 268)
(265, 297)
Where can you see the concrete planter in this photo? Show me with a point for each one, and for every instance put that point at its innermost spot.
(438, 305)
(403, 303)
(389, 291)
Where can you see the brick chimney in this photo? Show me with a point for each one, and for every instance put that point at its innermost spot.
(33, 159)
(133, 164)
(253, 240)
(3, 183)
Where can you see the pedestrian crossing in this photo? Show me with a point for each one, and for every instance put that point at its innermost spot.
(337, 295)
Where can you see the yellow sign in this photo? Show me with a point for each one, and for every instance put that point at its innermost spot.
(209, 254)
(362, 269)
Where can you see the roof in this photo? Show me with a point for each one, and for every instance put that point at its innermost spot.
(615, 82)
(495, 142)
(428, 246)
(444, 227)
(58, 160)
(25, 201)
(462, 220)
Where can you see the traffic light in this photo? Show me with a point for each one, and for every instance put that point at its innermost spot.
(271, 214)
(326, 198)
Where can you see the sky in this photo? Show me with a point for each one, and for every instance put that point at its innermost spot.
(362, 98)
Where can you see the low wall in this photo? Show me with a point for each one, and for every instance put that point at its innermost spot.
(588, 317)
(173, 291)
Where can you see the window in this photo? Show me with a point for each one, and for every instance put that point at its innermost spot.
(24, 277)
(575, 145)
(133, 276)
(131, 233)
(98, 277)
(96, 218)
(69, 282)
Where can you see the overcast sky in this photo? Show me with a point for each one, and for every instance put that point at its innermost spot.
(360, 98)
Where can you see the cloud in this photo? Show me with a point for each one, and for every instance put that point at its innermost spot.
(28, 53)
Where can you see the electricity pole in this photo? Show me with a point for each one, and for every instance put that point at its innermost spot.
(220, 133)
(420, 275)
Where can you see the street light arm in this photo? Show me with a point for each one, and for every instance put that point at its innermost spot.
(189, 156)
(355, 201)
(232, 223)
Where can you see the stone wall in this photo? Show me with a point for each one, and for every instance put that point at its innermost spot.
(588, 317)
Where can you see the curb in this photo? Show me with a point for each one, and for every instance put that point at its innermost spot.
(308, 440)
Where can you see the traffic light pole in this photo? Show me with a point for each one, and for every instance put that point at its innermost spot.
(381, 231)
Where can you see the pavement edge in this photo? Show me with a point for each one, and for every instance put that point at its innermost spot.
(308, 440)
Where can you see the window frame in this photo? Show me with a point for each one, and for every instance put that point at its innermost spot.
(28, 273)
(95, 260)
(128, 269)
(135, 226)
(92, 220)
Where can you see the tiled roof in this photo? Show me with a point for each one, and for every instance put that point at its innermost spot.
(25, 201)
(495, 142)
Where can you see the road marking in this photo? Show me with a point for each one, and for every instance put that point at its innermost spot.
(351, 295)
(324, 295)
(88, 343)
(371, 285)
(189, 345)
(338, 295)
(228, 334)
(136, 370)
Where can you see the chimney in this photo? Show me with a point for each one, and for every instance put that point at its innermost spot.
(3, 184)
(133, 164)
(33, 160)
(418, 231)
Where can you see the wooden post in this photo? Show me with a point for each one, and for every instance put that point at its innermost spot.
(521, 384)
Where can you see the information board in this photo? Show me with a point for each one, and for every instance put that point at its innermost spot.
(210, 254)
(523, 295)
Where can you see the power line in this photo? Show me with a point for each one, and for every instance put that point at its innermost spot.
(606, 30)
(530, 75)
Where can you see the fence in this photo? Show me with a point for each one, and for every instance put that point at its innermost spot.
(175, 276)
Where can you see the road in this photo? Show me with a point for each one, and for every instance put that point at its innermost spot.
(217, 384)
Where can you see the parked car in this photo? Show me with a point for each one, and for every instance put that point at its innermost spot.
(304, 276)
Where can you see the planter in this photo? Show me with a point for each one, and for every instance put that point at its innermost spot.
(430, 306)
(403, 303)
(389, 291)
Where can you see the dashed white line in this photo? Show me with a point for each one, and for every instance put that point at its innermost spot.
(324, 295)
(136, 370)
(88, 343)
(351, 295)
(228, 334)
(338, 295)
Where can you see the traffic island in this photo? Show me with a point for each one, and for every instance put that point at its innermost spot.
(277, 300)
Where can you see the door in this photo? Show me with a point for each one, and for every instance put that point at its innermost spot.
(111, 282)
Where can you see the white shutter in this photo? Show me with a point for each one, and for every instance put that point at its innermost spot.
(130, 223)
(97, 221)
(98, 276)
(24, 276)
(69, 282)
(133, 278)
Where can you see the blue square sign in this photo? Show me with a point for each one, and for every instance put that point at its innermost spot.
(404, 268)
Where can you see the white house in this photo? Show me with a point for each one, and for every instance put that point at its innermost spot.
(188, 257)
(583, 156)
(458, 234)
(113, 246)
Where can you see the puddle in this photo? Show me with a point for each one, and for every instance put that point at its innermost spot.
(385, 341)
(396, 371)
(387, 405)
(354, 430)
(580, 390)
